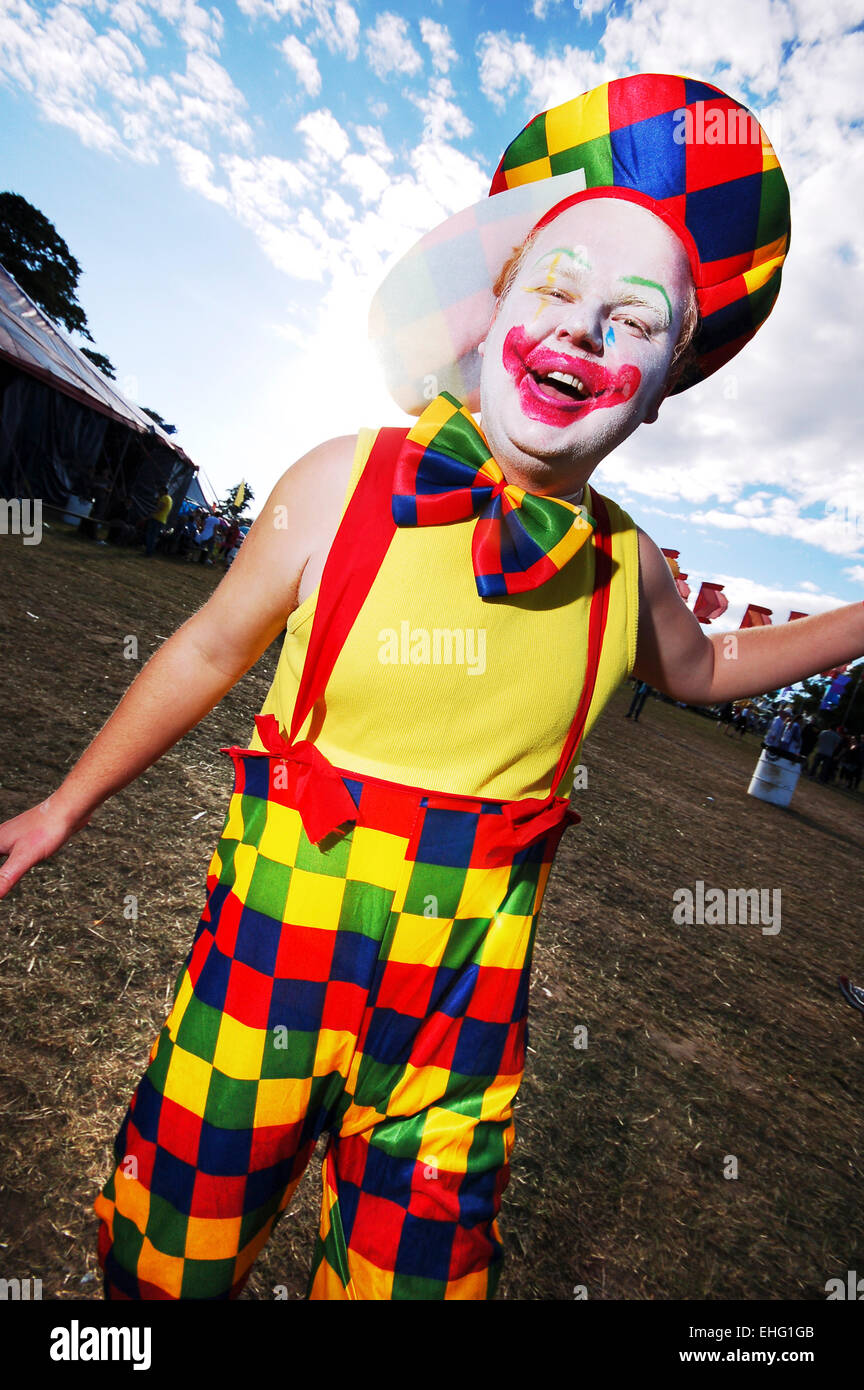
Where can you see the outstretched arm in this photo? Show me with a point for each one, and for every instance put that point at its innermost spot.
(190, 673)
(675, 655)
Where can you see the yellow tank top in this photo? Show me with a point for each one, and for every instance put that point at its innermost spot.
(438, 688)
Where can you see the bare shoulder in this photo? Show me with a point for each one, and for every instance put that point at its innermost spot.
(316, 494)
(655, 576)
(319, 477)
(268, 577)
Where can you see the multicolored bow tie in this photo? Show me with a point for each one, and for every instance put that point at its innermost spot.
(445, 473)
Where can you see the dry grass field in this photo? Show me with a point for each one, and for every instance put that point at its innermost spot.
(705, 1044)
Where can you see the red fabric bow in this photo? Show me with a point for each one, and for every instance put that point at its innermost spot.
(526, 821)
(319, 793)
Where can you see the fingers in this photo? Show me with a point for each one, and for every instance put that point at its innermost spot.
(15, 867)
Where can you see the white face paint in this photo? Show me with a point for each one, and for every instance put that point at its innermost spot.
(578, 353)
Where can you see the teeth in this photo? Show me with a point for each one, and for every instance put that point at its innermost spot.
(569, 381)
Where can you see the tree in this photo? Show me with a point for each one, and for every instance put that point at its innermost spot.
(163, 424)
(227, 508)
(35, 255)
(101, 361)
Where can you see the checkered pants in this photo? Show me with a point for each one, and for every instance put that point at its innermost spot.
(374, 986)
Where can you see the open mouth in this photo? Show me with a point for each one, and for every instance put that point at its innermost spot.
(559, 388)
(563, 385)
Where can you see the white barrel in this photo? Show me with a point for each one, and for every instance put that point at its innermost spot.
(774, 779)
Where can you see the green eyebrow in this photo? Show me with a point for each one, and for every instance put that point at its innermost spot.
(651, 284)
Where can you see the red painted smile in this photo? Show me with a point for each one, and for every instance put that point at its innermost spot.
(557, 389)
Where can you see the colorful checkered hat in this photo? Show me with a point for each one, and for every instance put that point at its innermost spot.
(679, 147)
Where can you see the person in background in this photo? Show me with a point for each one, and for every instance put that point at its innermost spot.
(232, 554)
(207, 538)
(809, 735)
(775, 732)
(230, 539)
(643, 690)
(120, 530)
(826, 747)
(847, 758)
(188, 533)
(790, 739)
(99, 488)
(156, 522)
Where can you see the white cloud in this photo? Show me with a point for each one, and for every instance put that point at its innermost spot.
(197, 27)
(740, 590)
(332, 22)
(211, 101)
(338, 24)
(506, 65)
(196, 171)
(133, 19)
(745, 39)
(388, 47)
(785, 518)
(365, 174)
(820, 22)
(265, 192)
(442, 117)
(437, 40)
(855, 573)
(375, 143)
(335, 209)
(326, 141)
(294, 252)
(586, 9)
(302, 60)
(453, 179)
(91, 82)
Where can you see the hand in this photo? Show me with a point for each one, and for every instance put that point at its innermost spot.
(33, 836)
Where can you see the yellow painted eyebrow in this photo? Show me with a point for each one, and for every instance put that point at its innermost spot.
(582, 262)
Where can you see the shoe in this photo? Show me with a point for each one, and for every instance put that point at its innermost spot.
(853, 994)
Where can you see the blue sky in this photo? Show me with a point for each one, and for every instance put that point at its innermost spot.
(236, 178)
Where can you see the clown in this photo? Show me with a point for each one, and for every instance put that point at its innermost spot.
(361, 965)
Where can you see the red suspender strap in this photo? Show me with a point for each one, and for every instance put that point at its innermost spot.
(532, 817)
(360, 544)
(355, 557)
(597, 616)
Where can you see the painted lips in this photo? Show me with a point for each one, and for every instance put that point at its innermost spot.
(557, 389)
